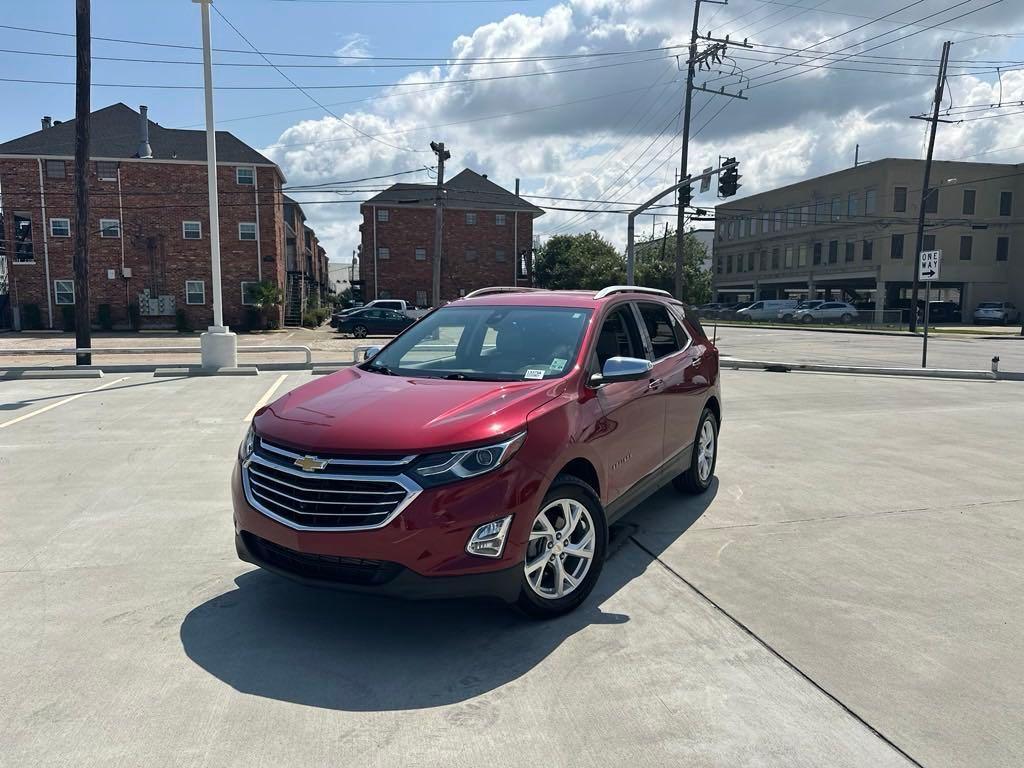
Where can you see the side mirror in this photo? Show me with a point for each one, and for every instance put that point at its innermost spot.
(370, 352)
(622, 369)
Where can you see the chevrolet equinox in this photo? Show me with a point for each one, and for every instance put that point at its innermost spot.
(484, 451)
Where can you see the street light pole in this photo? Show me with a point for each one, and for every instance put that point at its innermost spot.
(219, 346)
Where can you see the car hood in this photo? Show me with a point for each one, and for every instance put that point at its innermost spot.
(359, 411)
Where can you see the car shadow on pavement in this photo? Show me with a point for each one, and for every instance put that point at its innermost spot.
(274, 638)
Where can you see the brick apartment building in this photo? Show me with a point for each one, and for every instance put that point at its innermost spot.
(486, 239)
(306, 266)
(149, 249)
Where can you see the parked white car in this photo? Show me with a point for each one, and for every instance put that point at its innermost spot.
(1000, 312)
(786, 315)
(765, 310)
(827, 312)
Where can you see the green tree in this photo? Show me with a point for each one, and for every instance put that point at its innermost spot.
(655, 266)
(585, 261)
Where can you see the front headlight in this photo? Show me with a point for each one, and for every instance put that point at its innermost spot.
(246, 448)
(440, 468)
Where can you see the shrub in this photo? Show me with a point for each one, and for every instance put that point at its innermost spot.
(32, 319)
(134, 317)
(181, 321)
(67, 316)
(314, 318)
(253, 319)
(103, 317)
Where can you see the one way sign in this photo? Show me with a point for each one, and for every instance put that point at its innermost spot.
(928, 265)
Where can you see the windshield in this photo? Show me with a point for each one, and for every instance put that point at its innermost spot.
(492, 343)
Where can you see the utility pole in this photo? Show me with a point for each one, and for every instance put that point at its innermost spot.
(925, 191)
(83, 74)
(219, 346)
(442, 155)
(856, 156)
(515, 241)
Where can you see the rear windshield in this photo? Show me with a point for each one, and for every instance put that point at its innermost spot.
(493, 343)
(991, 305)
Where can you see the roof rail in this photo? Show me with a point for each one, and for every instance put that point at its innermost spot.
(629, 289)
(499, 289)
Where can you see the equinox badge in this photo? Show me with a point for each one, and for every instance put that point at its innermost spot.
(310, 463)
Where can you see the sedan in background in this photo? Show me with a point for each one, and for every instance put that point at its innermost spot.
(374, 322)
(998, 312)
(827, 312)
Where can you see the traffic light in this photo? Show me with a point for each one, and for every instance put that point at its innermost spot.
(729, 179)
(357, 290)
(686, 195)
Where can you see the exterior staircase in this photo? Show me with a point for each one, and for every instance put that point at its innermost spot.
(293, 299)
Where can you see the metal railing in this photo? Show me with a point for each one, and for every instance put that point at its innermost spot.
(68, 351)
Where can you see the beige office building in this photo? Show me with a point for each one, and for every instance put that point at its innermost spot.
(851, 235)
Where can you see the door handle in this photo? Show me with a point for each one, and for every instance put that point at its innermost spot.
(655, 384)
(696, 361)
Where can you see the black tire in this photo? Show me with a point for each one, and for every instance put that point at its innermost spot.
(691, 481)
(846, 319)
(359, 332)
(807, 319)
(787, 318)
(532, 604)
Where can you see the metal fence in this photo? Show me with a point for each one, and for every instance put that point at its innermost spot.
(891, 319)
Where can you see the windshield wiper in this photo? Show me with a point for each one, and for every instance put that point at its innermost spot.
(466, 377)
(378, 368)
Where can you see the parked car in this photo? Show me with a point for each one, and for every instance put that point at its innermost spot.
(728, 311)
(827, 312)
(1001, 312)
(711, 311)
(490, 467)
(765, 310)
(944, 312)
(374, 322)
(786, 315)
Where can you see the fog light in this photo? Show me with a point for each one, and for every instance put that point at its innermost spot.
(489, 539)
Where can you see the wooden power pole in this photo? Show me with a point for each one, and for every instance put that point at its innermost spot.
(83, 57)
(442, 155)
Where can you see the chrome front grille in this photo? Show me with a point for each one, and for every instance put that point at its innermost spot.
(349, 493)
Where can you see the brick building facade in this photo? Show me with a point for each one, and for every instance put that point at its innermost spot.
(486, 239)
(149, 248)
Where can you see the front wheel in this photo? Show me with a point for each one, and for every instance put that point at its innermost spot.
(704, 456)
(359, 332)
(566, 550)
(808, 319)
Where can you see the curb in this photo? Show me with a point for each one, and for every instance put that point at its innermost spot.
(51, 373)
(928, 373)
(197, 371)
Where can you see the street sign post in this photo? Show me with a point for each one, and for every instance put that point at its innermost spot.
(705, 183)
(928, 264)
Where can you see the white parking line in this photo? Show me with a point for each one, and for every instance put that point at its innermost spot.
(266, 397)
(66, 400)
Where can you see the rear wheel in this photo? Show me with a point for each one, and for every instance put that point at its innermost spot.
(846, 318)
(566, 550)
(359, 331)
(787, 318)
(698, 477)
(808, 319)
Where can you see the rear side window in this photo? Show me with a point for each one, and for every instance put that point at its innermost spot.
(692, 317)
(619, 337)
(662, 329)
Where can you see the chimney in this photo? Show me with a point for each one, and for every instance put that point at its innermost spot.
(145, 151)
(484, 175)
(46, 122)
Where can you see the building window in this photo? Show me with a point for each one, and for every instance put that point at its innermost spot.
(192, 230)
(499, 255)
(777, 222)
(896, 247)
(931, 201)
(899, 200)
(763, 261)
(853, 205)
(421, 254)
(753, 226)
(833, 251)
(718, 264)
(867, 250)
(816, 259)
(23, 253)
(383, 253)
(55, 169)
(819, 212)
(750, 262)
(775, 258)
(744, 227)
(966, 246)
(801, 258)
(850, 248)
(421, 298)
(195, 292)
(106, 170)
(805, 220)
(837, 208)
(247, 230)
(1005, 203)
(60, 227)
(499, 219)
(110, 228)
(249, 292)
(794, 218)
(789, 257)
(1002, 248)
(870, 198)
(739, 262)
(470, 217)
(64, 291)
(245, 175)
(764, 223)
(383, 214)
(928, 243)
(970, 196)
(728, 264)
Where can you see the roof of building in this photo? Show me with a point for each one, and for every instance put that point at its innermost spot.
(467, 189)
(115, 134)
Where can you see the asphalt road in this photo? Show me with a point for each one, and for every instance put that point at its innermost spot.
(945, 350)
(849, 593)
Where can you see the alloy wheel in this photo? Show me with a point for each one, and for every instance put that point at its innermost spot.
(560, 550)
(706, 451)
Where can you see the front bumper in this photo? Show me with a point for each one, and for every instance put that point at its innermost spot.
(419, 554)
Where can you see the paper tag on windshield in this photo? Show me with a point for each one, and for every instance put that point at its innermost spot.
(534, 373)
(558, 364)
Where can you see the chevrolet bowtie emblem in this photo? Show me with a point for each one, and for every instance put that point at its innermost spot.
(310, 463)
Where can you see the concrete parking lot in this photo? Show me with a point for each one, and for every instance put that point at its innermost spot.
(850, 593)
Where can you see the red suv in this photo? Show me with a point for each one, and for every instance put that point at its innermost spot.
(485, 450)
